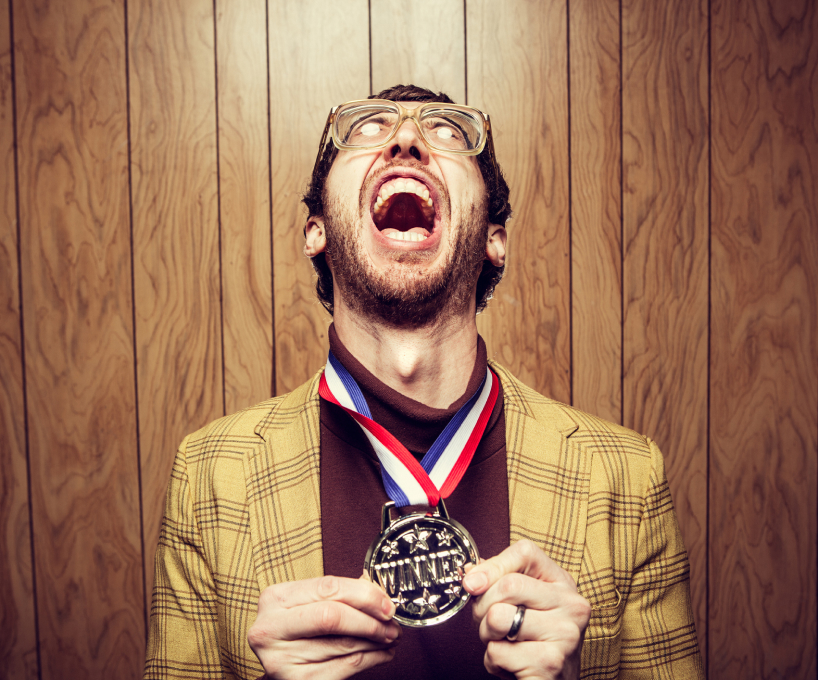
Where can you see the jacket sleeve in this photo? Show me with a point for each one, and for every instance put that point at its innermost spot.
(658, 632)
(183, 630)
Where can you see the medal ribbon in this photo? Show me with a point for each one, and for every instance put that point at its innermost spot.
(407, 481)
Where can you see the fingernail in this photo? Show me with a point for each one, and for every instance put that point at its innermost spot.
(389, 608)
(475, 581)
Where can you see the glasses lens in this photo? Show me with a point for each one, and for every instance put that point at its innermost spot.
(362, 124)
(453, 129)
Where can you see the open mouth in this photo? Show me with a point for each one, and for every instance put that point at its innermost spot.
(404, 210)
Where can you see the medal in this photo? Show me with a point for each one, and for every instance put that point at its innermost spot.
(418, 560)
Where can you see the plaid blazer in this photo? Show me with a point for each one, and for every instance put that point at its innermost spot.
(243, 512)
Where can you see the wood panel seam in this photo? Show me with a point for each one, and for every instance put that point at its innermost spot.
(219, 195)
(34, 597)
(133, 323)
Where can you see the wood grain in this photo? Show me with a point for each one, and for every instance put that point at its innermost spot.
(18, 639)
(764, 340)
(518, 74)
(419, 42)
(244, 193)
(176, 236)
(71, 103)
(313, 67)
(666, 231)
(596, 249)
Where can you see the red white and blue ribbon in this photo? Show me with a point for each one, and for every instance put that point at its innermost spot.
(407, 481)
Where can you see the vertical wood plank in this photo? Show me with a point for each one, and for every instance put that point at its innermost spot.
(18, 639)
(73, 141)
(421, 43)
(596, 253)
(244, 192)
(518, 74)
(313, 67)
(665, 232)
(176, 236)
(764, 339)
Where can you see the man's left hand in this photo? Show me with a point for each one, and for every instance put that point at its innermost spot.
(549, 641)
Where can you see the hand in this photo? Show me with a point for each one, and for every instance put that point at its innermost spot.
(549, 642)
(328, 628)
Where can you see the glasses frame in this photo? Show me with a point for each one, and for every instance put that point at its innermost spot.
(406, 114)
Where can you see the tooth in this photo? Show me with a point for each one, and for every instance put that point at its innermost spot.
(425, 194)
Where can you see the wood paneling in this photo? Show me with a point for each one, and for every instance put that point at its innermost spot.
(175, 236)
(638, 286)
(18, 641)
(244, 194)
(764, 340)
(596, 252)
(665, 236)
(517, 72)
(73, 193)
(313, 67)
(421, 43)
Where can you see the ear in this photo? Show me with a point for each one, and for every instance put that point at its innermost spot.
(316, 237)
(496, 245)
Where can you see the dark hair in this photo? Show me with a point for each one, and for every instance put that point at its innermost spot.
(497, 194)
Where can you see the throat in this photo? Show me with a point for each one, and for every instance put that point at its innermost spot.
(403, 217)
(430, 366)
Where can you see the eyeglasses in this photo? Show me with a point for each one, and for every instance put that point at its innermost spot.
(373, 123)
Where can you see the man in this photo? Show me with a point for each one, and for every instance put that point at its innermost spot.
(583, 570)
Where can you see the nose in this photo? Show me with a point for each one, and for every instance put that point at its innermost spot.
(407, 143)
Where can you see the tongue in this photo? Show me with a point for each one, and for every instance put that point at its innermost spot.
(404, 215)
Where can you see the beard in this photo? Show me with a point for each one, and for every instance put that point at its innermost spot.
(405, 293)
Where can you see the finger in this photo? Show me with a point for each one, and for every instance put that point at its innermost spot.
(320, 649)
(336, 668)
(328, 617)
(516, 589)
(523, 557)
(549, 626)
(357, 593)
(530, 659)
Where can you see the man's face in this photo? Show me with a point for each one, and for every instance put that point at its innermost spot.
(406, 229)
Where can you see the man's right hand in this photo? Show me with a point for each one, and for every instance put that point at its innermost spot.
(324, 628)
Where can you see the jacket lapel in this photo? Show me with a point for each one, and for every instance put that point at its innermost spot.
(548, 474)
(283, 490)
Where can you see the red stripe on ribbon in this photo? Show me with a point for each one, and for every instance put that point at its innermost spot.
(388, 440)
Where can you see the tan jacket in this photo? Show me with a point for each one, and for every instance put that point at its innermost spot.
(243, 512)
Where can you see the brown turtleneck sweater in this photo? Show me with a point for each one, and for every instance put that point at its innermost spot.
(352, 496)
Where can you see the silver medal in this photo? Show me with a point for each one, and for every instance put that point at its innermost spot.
(418, 560)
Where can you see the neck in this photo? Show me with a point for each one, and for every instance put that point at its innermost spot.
(431, 364)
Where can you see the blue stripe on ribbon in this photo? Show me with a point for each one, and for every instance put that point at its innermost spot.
(393, 491)
(351, 386)
(436, 451)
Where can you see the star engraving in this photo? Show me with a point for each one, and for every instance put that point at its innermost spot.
(400, 600)
(426, 603)
(390, 548)
(444, 537)
(418, 540)
(453, 591)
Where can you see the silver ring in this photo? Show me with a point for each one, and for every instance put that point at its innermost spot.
(516, 624)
